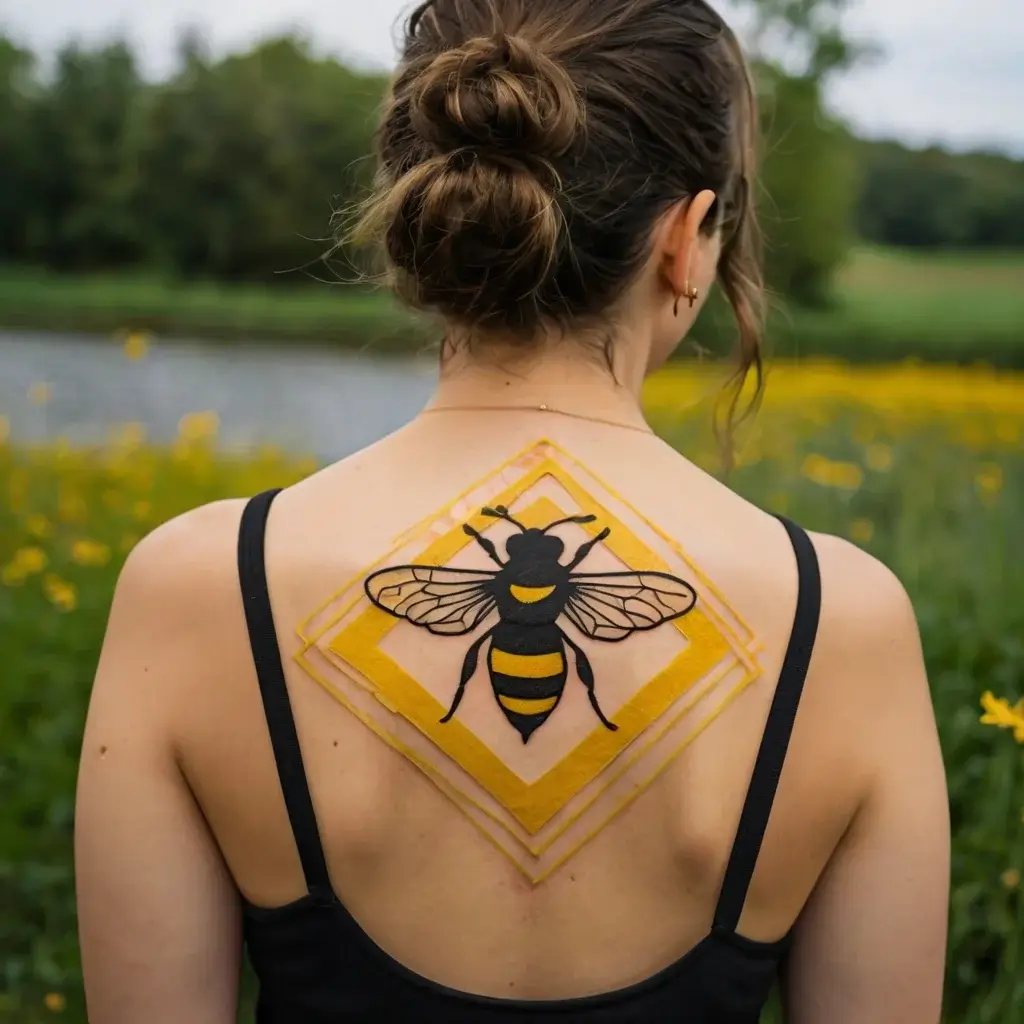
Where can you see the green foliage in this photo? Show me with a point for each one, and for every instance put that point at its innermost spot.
(937, 498)
(229, 169)
(809, 187)
(934, 199)
(19, 153)
(87, 128)
(243, 159)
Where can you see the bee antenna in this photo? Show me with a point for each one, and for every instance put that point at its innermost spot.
(501, 512)
(571, 519)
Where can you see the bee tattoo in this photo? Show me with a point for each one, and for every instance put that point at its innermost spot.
(530, 590)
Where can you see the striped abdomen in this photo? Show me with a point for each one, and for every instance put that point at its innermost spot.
(528, 671)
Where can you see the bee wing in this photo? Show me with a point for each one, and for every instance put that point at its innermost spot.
(610, 606)
(449, 602)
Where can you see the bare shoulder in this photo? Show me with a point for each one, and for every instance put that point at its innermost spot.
(868, 655)
(861, 590)
(176, 599)
(183, 568)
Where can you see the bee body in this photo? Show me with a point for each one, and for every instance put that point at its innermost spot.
(528, 670)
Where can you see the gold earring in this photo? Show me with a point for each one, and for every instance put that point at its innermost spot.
(691, 295)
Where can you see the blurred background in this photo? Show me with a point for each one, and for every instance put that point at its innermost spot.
(170, 333)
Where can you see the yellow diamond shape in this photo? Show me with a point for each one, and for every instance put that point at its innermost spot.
(534, 804)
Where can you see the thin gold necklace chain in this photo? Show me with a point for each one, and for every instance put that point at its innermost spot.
(538, 408)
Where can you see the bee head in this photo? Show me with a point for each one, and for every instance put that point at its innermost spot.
(535, 543)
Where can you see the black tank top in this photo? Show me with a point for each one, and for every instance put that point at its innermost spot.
(315, 965)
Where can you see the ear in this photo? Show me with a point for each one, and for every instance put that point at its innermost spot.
(680, 240)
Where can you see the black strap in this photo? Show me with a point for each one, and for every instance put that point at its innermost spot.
(259, 617)
(771, 756)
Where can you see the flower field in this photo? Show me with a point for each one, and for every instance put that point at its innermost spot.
(921, 465)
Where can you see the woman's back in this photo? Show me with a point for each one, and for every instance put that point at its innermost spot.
(530, 651)
(403, 855)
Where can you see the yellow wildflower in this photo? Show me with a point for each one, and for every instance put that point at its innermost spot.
(198, 426)
(54, 1002)
(815, 467)
(879, 458)
(136, 345)
(30, 560)
(90, 552)
(5, 429)
(1010, 878)
(62, 594)
(999, 713)
(862, 530)
(40, 394)
(846, 475)
(989, 479)
(39, 526)
(141, 510)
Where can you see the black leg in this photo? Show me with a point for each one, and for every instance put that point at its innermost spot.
(468, 668)
(491, 550)
(586, 674)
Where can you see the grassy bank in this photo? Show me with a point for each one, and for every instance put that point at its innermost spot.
(889, 306)
(923, 466)
(329, 314)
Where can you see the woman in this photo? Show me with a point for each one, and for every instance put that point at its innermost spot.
(543, 776)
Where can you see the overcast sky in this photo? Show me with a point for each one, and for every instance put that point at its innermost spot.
(953, 70)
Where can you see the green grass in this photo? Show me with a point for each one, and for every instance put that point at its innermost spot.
(958, 306)
(890, 305)
(938, 497)
(332, 314)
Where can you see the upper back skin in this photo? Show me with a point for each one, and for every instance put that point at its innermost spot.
(403, 858)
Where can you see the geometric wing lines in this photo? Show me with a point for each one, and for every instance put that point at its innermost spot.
(447, 602)
(611, 606)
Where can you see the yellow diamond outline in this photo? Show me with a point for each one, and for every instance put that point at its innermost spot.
(533, 804)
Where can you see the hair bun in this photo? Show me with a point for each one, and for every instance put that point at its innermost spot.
(498, 94)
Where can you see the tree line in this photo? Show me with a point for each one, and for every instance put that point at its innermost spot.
(938, 200)
(231, 168)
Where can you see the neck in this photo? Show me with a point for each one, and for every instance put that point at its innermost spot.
(558, 376)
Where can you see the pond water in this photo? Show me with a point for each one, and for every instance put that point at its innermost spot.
(315, 402)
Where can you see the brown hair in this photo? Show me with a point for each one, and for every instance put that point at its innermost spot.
(528, 147)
